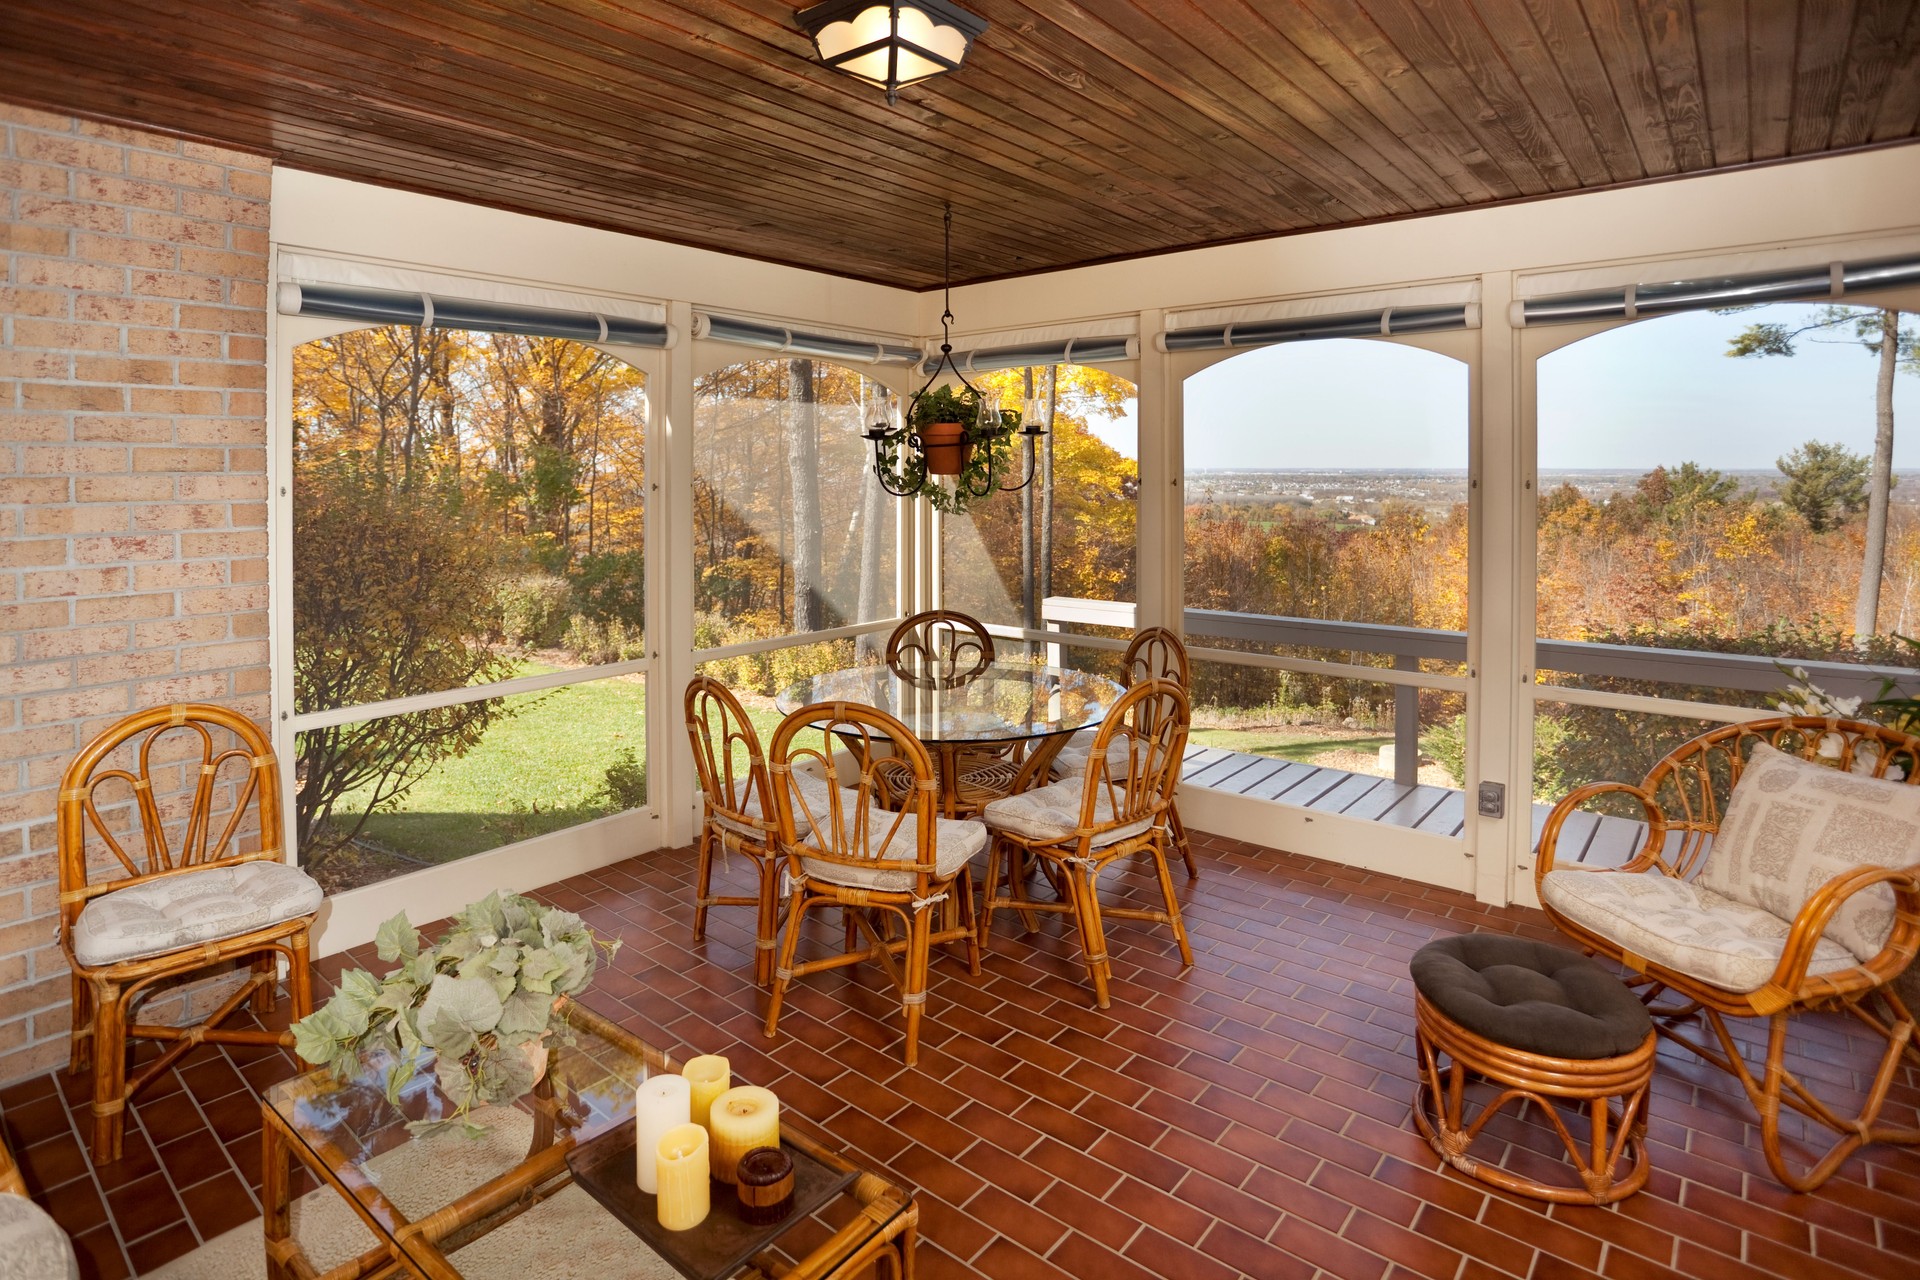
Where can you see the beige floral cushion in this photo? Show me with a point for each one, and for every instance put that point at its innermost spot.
(32, 1245)
(1682, 926)
(191, 908)
(955, 844)
(1791, 826)
(1052, 812)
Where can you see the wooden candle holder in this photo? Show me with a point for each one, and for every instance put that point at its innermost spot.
(764, 1180)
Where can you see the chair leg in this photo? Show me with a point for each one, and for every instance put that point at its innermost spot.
(989, 888)
(80, 1056)
(109, 1074)
(783, 972)
(1178, 830)
(266, 971)
(1080, 879)
(767, 934)
(963, 883)
(913, 998)
(1173, 904)
(300, 974)
(703, 883)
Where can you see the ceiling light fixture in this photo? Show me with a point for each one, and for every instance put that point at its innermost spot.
(891, 46)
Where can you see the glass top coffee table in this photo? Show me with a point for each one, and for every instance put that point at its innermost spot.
(993, 734)
(432, 1202)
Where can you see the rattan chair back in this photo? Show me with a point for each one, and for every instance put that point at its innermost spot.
(727, 755)
(868, 761)
(1156, 654)
(1149, 727)
(210, 748)
(1691, 785)
(940, 646)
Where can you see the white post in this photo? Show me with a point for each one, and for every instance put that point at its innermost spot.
(1500, 603)
(1157, 576)
(670, 585)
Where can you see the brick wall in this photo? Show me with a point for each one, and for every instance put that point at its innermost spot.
(133, 542)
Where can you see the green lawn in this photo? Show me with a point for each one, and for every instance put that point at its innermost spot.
(539, 770)
(1284, 743)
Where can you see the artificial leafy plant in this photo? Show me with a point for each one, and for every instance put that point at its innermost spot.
(474, 1000)
(986, 462)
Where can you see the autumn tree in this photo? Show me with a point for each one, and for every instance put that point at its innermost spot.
(1825, 484)
(1879, 332)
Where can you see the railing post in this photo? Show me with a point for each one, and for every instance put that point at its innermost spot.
(1406, 726)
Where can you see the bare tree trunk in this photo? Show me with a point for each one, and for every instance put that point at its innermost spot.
(872, 548)
(1046, 486)
(1029, 612)
(803, 470)
(1866, 612)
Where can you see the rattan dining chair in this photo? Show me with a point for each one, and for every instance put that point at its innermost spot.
(1770, 913)
(1115, 809)
(834, 768)
(944, 648)
(1155, 653)
(736, 816)
(160, 911)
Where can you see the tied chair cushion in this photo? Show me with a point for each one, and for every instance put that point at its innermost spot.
(175, 911)
(956, 842)
(1531, 996)
(1052, 813)
(1683, 926)
(1793, 825)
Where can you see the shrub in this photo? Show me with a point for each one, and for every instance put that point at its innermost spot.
(610, 587)
(625, 786)
(594, 642)
(533, 610)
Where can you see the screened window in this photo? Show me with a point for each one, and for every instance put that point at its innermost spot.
(468, 509)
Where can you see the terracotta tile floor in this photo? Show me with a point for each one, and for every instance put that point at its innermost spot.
(1249, 1118)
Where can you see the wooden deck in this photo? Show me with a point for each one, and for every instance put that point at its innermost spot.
(1593, 839)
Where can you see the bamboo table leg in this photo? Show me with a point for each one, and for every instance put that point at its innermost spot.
(276, 1199)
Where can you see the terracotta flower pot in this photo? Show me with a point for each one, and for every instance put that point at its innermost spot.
(944, 446)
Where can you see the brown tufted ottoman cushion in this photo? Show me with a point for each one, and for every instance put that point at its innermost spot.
(1548, 1025)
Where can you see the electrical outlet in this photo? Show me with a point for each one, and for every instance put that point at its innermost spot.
(1493, 800)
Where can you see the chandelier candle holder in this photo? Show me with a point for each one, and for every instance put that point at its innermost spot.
(955, 444)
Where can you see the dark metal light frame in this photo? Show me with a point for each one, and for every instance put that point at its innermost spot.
(886, 440)
(939, 12)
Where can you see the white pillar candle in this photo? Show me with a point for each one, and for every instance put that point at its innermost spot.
(686, 1189)
(741, 1120)
(710, 1077)
(662, 1103)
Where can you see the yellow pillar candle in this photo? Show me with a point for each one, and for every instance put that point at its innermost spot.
(710, 1077)
(661, 1103)
(741, 1120)
(685, 1187)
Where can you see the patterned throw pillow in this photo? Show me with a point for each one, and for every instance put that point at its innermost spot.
(1792, 826)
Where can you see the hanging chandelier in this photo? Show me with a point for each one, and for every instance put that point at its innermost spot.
(891, 45)
(960, 436)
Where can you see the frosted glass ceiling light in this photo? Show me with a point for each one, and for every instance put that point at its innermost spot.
(892, 45)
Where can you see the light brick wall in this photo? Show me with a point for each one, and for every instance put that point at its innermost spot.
(133, 499)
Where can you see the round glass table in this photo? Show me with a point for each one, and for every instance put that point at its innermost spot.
(993, 734)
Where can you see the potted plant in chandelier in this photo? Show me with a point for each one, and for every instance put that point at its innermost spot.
(948, 436)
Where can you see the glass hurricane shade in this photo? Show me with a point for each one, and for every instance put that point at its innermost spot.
(891, 45)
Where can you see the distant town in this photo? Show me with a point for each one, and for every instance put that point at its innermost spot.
(1358, 495)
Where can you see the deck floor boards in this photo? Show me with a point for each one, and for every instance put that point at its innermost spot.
(1591, 839)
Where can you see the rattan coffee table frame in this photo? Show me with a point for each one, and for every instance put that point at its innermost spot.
(877, 1240)
(1616, 1138)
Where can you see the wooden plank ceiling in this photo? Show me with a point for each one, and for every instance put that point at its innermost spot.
(1075, 132)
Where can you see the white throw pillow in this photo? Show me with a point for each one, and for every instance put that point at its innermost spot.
(1791, 826)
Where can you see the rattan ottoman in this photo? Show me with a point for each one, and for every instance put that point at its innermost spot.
(1545, 1025)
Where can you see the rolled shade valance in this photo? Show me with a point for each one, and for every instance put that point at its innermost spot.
(773, 337)
(1385, 322)
(431, 311)
(1098, 350)
(1825, 281)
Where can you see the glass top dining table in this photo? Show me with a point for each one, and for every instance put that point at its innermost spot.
(1005, 702)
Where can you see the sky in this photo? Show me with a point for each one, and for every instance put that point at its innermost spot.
(1658, 392)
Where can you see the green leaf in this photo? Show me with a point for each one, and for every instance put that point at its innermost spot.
(317, 1037)
(363, 986)
(503, 1074)
(456, 1011)
(524, 1014)
(396, 993)
(557, 924)
(350, 1010)
(539, 969)
(456, 1082)
(396, 940)
(398, 1076)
